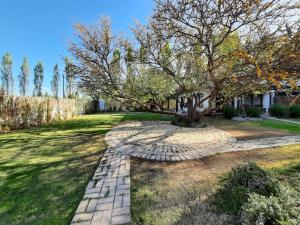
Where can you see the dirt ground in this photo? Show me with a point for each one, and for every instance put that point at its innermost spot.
(180, 193)
(243, 132)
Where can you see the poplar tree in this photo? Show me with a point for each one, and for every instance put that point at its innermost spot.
(6, 74)
(69, 77)
(23, 77)
(55, 81)
(38, 79)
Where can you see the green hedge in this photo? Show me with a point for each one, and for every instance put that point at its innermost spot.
(229, 112)
(279, 110)
(294, 111)
(253, 112)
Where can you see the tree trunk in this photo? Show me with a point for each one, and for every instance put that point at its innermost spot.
(96, 105)
(192, 114)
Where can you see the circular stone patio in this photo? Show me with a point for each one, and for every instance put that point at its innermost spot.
(162, 141)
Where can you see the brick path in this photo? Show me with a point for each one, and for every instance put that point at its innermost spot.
(107, 197)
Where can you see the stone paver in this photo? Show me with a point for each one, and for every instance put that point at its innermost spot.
(107, 197)
(161, 141)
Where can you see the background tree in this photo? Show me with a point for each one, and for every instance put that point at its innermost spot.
(23, 77)
(69, 77)
(6, 74)
(55, 81)
(201, 45)
(38, 79)
(93, 91)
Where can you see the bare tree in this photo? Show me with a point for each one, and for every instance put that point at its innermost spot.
(100, 64)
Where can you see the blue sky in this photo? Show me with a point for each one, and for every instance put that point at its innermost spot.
(41, 29)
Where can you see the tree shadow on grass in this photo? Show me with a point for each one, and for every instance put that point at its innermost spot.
(45, 193)
(44, 173)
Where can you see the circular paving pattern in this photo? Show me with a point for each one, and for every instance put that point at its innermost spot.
(162, 141)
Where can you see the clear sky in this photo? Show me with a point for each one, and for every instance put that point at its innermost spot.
(41, 29)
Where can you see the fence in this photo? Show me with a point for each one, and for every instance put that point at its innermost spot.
(21, 112)
(287, 100)
(111, 105)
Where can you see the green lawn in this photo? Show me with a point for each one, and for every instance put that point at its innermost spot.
(44, 170)
(279, 125)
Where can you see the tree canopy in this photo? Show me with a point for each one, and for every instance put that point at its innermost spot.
(223, 48)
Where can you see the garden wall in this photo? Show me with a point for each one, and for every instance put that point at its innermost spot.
(21, 112)
(111, 105)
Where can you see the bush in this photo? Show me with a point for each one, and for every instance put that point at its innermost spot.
(295, 111)
(239, 183)
(279, 110)
(229, 112)
(279, 210)
(253, 112)
(183, 122)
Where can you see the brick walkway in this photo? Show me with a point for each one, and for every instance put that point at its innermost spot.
(107, 197)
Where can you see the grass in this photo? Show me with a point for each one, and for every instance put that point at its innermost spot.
(44, 170)
(274, 124)
(181, 193)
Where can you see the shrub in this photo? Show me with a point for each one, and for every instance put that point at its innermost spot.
(183, 122)
(279, 210)
(295, 111)
(229, 112)
(279, 110)
(239, 183)
(253, 112)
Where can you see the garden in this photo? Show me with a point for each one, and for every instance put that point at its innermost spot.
(44, 172)
(192, 116)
